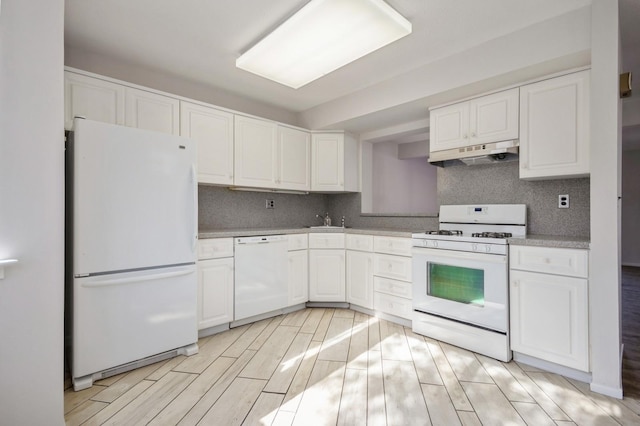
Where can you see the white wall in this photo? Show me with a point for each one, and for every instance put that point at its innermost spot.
(31, 212)
(604, 258)
(630, 208)
(402, 186)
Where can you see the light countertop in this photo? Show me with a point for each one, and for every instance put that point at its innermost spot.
(551, 241)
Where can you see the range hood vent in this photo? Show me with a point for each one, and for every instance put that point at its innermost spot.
(476, 154)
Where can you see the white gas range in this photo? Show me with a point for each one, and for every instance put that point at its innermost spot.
(460, 276)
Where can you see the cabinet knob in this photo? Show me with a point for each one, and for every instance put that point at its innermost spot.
(465, 136)
(473, 135)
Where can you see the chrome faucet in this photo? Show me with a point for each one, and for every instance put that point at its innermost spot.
(326, 219)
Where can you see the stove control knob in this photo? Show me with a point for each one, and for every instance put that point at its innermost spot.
(434, 244)
(487, 248)
(474, 246)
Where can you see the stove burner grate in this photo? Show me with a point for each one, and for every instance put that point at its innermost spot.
(444, 232)
(491, 235)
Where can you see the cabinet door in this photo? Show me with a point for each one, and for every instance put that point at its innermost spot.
(360, 278)
(298, 277)
(93, 99)
(212, 130)
(554, 127)
(294, 157)
(327, 170)
(494, 118)
(151, 111)
(449, 127)
(326, 276)
(255, 152)
(215, 292)
(549, 318)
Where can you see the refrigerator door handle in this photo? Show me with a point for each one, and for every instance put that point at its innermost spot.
(136, 279)
(194, 184)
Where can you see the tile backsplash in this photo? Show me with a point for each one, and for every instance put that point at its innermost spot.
(500, 184)
(221, 208)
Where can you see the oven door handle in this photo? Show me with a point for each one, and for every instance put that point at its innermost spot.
(462, 255)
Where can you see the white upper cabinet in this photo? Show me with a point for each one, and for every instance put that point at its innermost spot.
(93, 99)
(255, 152)
(486, 119)
(294, 157)
(335, 165)
(212, 130)
(554, 127)
(151, 111)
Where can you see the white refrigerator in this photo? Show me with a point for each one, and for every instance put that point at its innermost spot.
(131, 248)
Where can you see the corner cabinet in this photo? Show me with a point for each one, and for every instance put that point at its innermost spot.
(486, 119)
(326, 268)
(212, 129)
(554, 127)
(215, 282)
(335, 164)
(549, 304)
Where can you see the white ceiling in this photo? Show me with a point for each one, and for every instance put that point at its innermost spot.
(199, 41)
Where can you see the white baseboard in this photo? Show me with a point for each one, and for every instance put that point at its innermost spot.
(607, 390)
(551, 367)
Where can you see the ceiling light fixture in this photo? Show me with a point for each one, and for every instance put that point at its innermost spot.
(321, 37)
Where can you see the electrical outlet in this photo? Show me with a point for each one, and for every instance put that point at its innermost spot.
(271, 204)
(563, 201)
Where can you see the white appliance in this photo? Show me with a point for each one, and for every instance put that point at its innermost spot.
(261, 269)
(460, 277)
(132, 230)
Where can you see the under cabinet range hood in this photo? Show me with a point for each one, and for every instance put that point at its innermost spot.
(476, 154)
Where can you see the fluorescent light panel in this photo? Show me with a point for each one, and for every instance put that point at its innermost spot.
(321, 37)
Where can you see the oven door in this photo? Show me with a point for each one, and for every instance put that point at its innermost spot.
(467, 287)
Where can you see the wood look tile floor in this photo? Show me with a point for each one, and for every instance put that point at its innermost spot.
(323, 366)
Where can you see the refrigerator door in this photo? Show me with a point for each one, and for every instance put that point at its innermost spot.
(134, 198)
(120, 318)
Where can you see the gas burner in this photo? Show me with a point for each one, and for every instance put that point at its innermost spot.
(492, 234)
(443, 232)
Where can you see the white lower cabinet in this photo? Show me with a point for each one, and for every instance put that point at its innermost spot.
(326, 268)
(360, 278)
(326, 276)
(549, 312)
(298, 276)
(215, 282)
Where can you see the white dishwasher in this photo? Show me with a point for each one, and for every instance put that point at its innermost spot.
(261, 270)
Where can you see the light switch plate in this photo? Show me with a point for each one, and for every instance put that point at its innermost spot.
(271, 204)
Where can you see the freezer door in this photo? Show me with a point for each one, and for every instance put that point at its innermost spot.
(122, 318)
(134, 198)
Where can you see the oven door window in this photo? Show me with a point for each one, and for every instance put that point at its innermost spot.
(456, 283)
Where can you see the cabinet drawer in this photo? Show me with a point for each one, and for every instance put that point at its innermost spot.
(326, 241)
(214, 248)
(392, 245)
(559, 261)
(298, 241)
(359, 242)
(393, 287)
(395, 267)
(393, 305)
